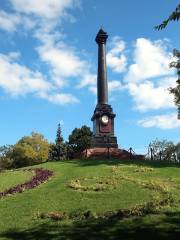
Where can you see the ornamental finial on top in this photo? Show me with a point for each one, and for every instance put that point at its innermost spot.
(101, 36)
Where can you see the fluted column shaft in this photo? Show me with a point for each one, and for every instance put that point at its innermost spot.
(102, 86)
(102, 75)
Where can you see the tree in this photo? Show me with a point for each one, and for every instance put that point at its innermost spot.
(27, 151)
(30, 150)
(164, 150)
(5, 150)
(58, 150)
(59, 138)
(6, 160)
(80, 139)
(175, 16)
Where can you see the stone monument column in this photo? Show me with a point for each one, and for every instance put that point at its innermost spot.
(103, 117)
(102, 88)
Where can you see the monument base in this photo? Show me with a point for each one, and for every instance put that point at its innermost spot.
(104, 142)
(108, 153)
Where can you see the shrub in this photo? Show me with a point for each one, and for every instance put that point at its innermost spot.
(80, 139)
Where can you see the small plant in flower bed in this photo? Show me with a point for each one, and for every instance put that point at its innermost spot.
(152, 207)
(144, 169)
(41, 176)
(56, 216)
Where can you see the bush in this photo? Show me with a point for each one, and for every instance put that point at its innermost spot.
(80, 139)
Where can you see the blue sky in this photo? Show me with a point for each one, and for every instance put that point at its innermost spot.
(48, 65)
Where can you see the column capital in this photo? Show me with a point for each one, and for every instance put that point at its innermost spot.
(101, 37)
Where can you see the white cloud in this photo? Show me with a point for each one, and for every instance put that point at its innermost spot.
(49, 9)
(63, 62)
(114, 86)
(32, 14)
(149, 77)
(88, 80)
(19, 80)
(148, 97)
(9, 21)
(151, 60)
(115, 58)
(62, 59)
(168, 121)
(60, 98)
(12, 56)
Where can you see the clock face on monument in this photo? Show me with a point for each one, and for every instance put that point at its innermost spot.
(105, 119)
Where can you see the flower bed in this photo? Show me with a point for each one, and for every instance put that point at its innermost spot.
(41, 176)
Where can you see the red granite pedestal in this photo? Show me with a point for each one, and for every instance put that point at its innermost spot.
(110, 153)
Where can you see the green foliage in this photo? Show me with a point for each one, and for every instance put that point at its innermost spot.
(6, 161)
(164, 150)
(176, 90)
(59, 138)
(30, 150)
(58, 151)
(80, 139)
(178, 150)
(175, 16)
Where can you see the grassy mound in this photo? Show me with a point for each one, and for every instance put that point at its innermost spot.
(11, 178)
(41, 176)
(95, 199)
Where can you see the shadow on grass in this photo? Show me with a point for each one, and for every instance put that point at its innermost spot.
(164, 228)
(95, 162)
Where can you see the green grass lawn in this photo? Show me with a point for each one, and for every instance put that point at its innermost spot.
(11, 178)
(98, 187)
